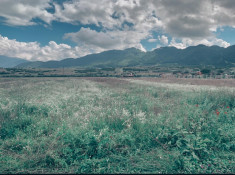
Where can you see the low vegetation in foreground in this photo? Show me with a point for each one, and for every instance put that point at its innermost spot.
(110, 125)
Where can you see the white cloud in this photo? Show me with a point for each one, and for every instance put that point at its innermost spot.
(195, 20)
(151, 40)
(86, 12)
(163, 39)
(33, 52)
(22, 12)
(107, 40)
(185, 42)
(180, 18)
(122, 24)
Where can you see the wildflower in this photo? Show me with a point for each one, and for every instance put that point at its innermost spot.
(225, 112)
(202, 166)
(196, 105)
(217, 112)
(227, 106)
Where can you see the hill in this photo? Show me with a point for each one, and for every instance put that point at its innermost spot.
(111, 58)
(9, 62)
(193, 55)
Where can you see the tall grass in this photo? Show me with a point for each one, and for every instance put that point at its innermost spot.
(80, 126)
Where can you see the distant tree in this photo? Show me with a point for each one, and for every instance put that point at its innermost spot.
(205, 71)
(220, 72)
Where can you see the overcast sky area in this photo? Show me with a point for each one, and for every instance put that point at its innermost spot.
(56, 29)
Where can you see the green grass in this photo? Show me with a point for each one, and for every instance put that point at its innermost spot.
(59, 125)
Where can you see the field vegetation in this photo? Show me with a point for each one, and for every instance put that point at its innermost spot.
(115, 125)
(211, 72)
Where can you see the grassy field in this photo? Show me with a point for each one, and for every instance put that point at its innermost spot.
(111, 125)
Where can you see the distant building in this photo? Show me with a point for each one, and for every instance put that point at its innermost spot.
(129, 75)
(198, 73)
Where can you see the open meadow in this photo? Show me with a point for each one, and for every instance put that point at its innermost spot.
(117, 125)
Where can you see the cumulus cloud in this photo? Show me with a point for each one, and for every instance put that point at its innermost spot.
(86, 12)
(224, 12)
(163, 39)
(107, 40)
(179, 17)
(122, 23)
(107, 14)
(32, 51)
(195, 20)
(22, 12)
(185, 18)
(185, 42)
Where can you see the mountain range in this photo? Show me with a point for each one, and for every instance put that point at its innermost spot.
(193, 55)
(9, 62)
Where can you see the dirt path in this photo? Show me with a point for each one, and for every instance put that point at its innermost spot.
(118, 82)
(113, 82)
(191, 81)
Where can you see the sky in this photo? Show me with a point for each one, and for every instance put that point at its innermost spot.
(42, 30)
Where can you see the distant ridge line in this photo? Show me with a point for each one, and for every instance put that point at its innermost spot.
(192, 55)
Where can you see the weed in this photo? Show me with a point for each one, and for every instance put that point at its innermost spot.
(91, 126)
